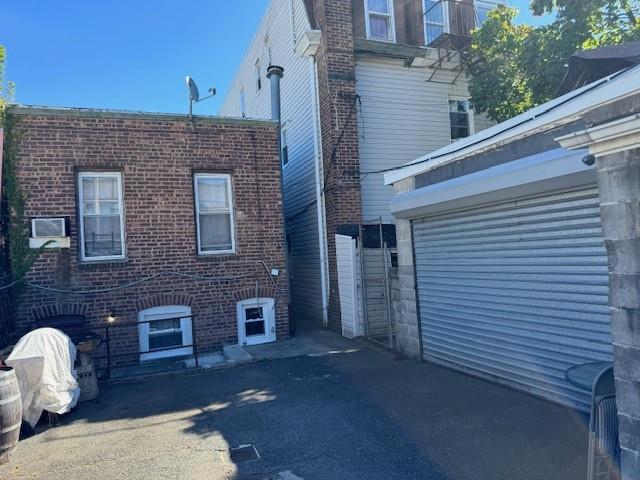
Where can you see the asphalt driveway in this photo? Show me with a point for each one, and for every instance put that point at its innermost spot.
(348, 414)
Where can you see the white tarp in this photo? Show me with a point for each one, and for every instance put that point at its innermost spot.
(43, 361)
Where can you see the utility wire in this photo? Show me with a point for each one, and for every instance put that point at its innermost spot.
(480, 140)
(208, 278)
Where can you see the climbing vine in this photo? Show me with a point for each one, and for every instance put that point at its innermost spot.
(18, 258)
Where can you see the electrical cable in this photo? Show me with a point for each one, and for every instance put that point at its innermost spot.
(524, 121)
(208, 278)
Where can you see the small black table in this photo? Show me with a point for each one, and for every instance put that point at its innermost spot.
(583, 376)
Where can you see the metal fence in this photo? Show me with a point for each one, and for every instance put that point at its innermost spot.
(375, 266)
(107, 355)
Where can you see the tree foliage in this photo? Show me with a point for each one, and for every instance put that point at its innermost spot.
(518, 66)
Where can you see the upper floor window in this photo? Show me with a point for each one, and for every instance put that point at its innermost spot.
(214, 213)
(101, 215)
(461, 118)
(435, 16)
(284, 147)
(379, 20)
(243, 103)
(258, 75)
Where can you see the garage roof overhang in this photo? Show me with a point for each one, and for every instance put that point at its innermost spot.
(559, 111)
(550, 171)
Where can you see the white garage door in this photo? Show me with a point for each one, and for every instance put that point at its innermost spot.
(516, 291)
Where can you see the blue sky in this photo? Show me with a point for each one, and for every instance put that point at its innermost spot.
(132, 54)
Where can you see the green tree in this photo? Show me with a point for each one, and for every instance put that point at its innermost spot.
(517, 67)
(13, 227)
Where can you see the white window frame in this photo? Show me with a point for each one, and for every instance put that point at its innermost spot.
(390, 15)
(471, 115)
(258, 70)
(165, 312)
(268, 316)
(118, 176)
(227, 177)
(444, 24)
(284, 143)
(243, 103)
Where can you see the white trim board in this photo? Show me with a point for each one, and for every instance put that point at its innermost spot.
(550, 171)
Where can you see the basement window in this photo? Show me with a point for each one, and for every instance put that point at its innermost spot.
(379, 20)
(214, 213)
(101, 216)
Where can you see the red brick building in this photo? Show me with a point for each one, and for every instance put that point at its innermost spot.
(155, 217)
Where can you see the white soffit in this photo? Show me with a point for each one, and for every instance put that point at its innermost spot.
(545, 172)
(552, 114)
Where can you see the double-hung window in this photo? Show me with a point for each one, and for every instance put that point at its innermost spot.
(435, 20)
(379, 20)
(284, 147)
(101, 216)
(214, 213)
(461, 118)
(258, 76)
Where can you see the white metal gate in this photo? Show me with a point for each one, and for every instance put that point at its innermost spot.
(516, 291)
(348, 285)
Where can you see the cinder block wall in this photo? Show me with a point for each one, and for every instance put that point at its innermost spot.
(619, 186)
(403, 292)
(157, 156)
(338, 117)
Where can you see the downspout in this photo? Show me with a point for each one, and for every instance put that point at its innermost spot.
(274, 74)
(320, 209)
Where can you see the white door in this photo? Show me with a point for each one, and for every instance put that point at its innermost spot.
(348, 274)
(256, 321)
(165, 332)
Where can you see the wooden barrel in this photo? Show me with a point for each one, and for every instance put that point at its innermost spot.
(10, 412)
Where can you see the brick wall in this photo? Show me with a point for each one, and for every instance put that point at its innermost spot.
(157, 156)
(338, 117)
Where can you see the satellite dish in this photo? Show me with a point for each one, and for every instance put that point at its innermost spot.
(194, 95)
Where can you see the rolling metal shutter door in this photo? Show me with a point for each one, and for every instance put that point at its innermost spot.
(516, 291)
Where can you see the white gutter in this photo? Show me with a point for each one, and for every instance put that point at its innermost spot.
(555, 113)
(319, 172)
(545, 172)
(613, 137)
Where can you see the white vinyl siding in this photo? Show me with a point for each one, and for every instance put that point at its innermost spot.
(401, 118)
(214, 213)
(101, 216)
(273, 44)
(380, 20)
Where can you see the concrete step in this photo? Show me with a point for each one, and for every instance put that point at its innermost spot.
(236, 354)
